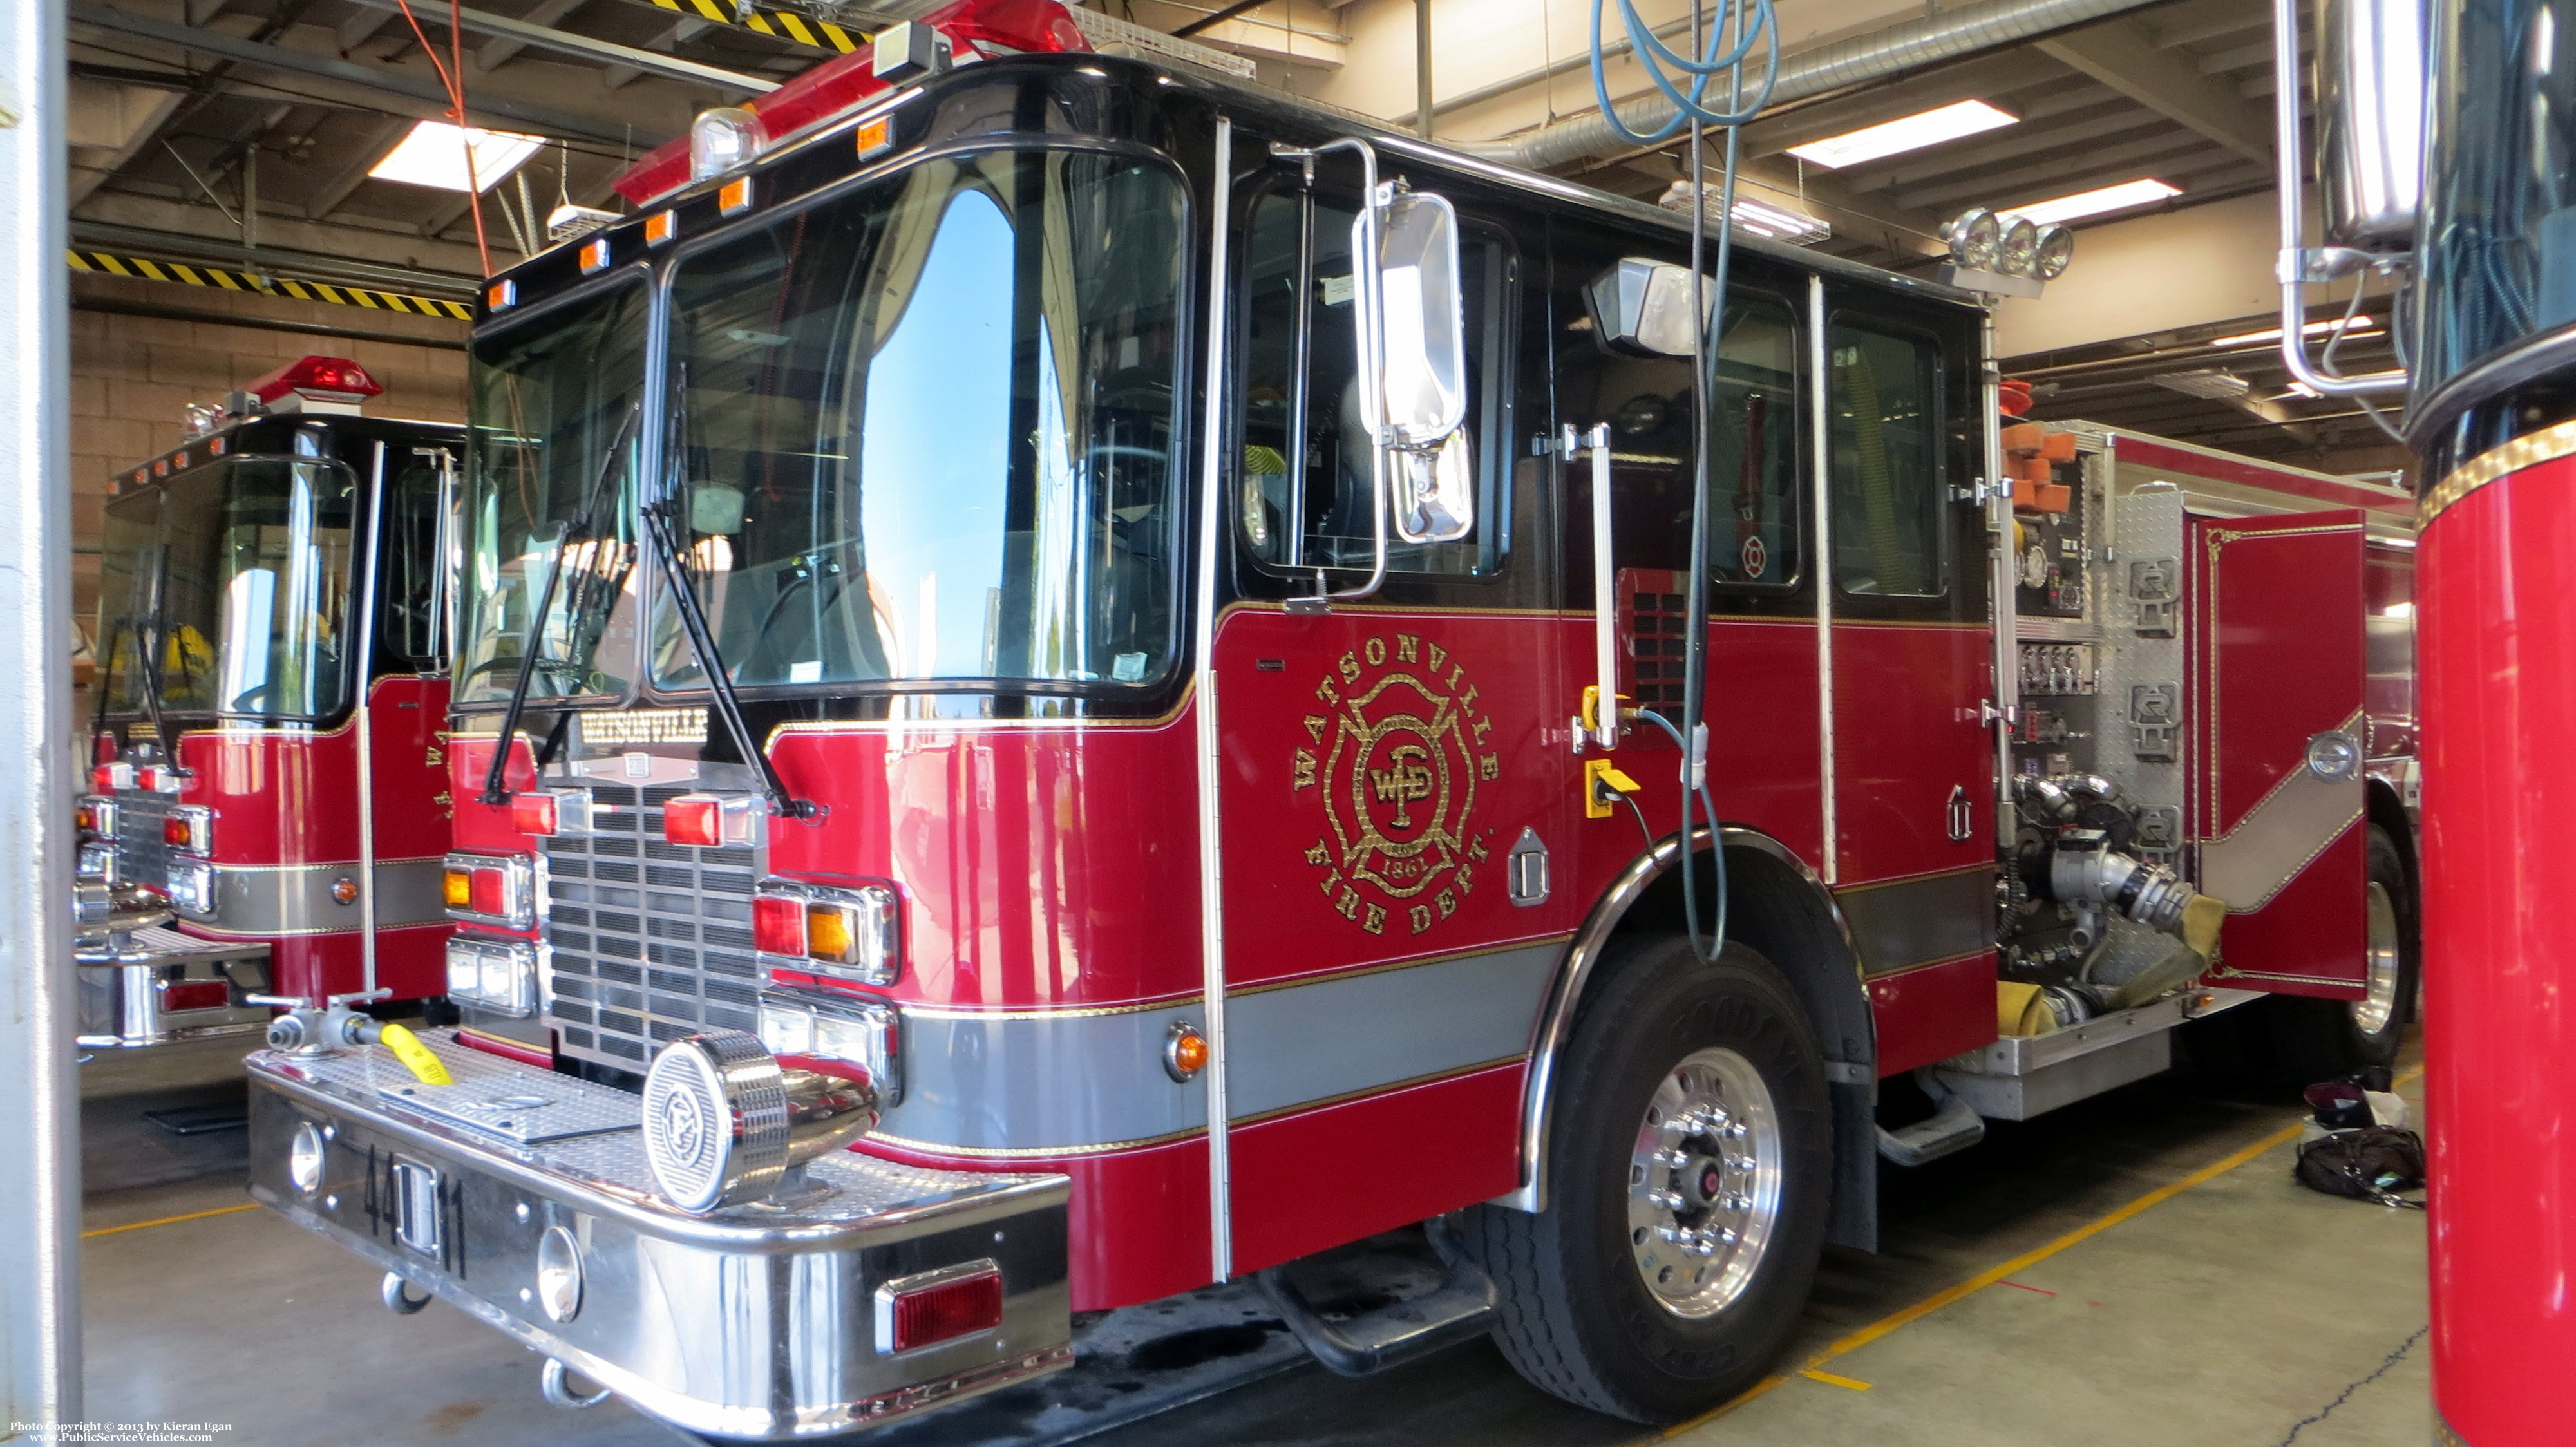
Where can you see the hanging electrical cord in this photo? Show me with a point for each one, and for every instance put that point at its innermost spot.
(1722, 46)
(1751, 20)
(451, 76)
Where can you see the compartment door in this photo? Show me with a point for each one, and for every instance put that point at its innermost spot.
(2277, 744)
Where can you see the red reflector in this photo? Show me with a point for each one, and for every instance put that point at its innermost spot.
(492, 893)
(196, 995)
(778, 925)
(696, 821)
(534, 813)
(102, 780)
(950, 1309)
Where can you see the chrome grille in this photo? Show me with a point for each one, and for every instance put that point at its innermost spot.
(649, 941)
(142, 855)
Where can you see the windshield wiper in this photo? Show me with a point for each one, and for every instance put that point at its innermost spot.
(152, 640)
(576, 528)
(702, 644)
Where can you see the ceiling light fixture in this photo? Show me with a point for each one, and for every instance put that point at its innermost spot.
(2093, 203)
(2207, 382)
(1911, 133)
(1757, 218)
(2360, 326)
(434, 153)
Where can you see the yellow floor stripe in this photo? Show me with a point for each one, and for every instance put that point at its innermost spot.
(1983, 1279)
(1829, 1379)
(172, 1220)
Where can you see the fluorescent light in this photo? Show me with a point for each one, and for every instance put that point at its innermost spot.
(2361, 326)
(434, 153)
(1913, 133)
(2094, 203)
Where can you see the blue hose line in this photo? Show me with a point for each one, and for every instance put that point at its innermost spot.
(1750, 20)
(1717, 847)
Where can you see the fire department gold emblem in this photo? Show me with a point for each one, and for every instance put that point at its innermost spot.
(1395, 757)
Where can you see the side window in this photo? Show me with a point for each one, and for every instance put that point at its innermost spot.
(1303, 498)
(1754, 514)
(1885, 457)
(411, 565)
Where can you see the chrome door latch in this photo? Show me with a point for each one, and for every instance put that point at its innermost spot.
(1962, 814)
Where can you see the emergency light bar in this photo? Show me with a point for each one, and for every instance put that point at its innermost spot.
(316, 384)
(735, 136)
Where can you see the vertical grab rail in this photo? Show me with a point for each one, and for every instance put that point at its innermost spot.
(1605, 586)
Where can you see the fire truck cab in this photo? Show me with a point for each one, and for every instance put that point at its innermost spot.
(249, 833)
(1072, 680)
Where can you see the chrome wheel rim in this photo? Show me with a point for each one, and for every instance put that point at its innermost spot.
(2382, 972)
(1704, 1183)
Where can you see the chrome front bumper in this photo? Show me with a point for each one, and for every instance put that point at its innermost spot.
(756, 1322)
(124, 996)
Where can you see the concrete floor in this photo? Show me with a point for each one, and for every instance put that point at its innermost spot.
(2091, 1277)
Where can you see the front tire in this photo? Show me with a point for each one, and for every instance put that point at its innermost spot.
(1689, 1164)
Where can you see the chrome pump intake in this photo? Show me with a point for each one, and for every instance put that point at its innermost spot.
(2085, 872)
(726, 1123)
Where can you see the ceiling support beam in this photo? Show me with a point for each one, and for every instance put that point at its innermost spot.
(497, 52)
(2125, 57)
(354, 175)
(526, 33)
(421, 91)
(681, 31)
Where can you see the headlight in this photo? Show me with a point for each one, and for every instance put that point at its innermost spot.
(192, 887)
(98, 861)
(495, 974)
(491, 889)
(847, 934)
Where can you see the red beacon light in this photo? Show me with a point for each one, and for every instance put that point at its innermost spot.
(316, 384)
(734, 136)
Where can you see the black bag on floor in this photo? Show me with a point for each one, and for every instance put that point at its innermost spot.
(2371, 1163)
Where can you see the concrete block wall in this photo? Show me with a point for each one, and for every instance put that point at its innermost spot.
(133, 377)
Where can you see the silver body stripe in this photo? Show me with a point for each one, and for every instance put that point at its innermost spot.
(1916, 921)
(1360, 1032)
(1029, 1083)
(2278, 838)
(1022, 1082)
(295, 899)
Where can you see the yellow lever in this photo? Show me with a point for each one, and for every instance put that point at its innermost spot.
(1602, 784)
(415, 1056)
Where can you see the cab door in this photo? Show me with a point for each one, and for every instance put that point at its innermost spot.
(2277, 745)
(1911, 776)
(1397, 773)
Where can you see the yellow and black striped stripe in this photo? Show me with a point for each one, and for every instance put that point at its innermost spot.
(109, 264)
(784, 24)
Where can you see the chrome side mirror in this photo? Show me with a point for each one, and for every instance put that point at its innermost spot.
(2370, 121)
(1430, 464)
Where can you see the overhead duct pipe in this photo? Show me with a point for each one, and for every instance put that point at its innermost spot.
(1949, 35)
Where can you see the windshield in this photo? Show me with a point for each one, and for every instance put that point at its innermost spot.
(924, 430)
(238, 572)
(551, 397)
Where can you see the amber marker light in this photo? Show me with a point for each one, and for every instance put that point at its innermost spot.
(594, 255)
(501, 295)
(875, 136)
(735, 196)
(1185, 1051)
(456, 886)
(661, 227)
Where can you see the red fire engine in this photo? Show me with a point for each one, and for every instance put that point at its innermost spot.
(1124, 649)
(2462, 202)
(248, 831)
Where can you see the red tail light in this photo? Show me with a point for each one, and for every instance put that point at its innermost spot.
(108, 778)
(535, 813)
(778, 925)
(695, 819)
(945, 1305)
(196, 995)
(174, 831)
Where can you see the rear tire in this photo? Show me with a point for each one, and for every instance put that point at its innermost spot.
(1693, 1104)
(2317, 1039)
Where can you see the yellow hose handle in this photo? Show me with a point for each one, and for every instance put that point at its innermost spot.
(416, 1057)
